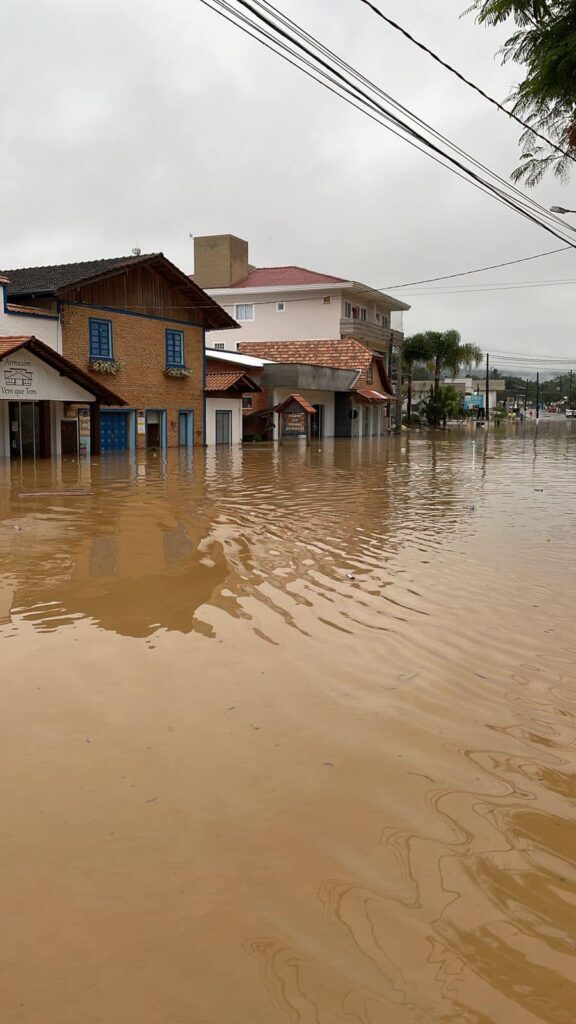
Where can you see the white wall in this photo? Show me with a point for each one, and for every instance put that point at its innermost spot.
(301, 320)
(16, 324)
(325, 398)
(233, 405)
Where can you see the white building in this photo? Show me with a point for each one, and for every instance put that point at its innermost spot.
(291, 303)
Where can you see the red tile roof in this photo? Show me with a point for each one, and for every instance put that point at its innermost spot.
(270, 277)
(374, 397)
(239, 382)
(33, 310)
(300, 401)
(341, 353)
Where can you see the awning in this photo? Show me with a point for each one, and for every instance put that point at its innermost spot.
(237, 383)
(374, 397)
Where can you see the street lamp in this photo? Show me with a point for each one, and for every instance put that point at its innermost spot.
(560, 209)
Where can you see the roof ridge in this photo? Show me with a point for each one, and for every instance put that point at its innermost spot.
(80, 263)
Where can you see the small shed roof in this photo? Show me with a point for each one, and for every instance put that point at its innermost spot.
(299, 400)
(238, 382)
(375, 397)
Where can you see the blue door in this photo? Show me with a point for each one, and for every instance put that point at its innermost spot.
(113, 431)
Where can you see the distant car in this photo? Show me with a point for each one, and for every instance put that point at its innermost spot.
(570, 413)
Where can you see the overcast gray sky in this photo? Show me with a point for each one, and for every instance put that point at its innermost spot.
(131, 123)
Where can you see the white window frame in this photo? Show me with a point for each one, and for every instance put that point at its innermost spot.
(347, 310)
(244, 305)
(280, 307)
(219, 345)
(327, 299)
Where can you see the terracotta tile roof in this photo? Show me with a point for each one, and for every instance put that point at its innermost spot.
(341, 353)
(64, 366)
(32, 310)
(300, 400)
(374, 397)
(270, 277)
(239, 382)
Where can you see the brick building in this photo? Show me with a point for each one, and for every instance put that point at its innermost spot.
(137, 324)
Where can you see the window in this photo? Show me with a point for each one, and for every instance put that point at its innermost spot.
(174, 348)
(377, 318)
(100, 339)
(245, 311)
(327, 300)
(348, 310)
(280, 307)
(219, 345)
(246, 401)
(370, 374)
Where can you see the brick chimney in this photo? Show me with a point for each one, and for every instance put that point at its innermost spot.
(220, 261)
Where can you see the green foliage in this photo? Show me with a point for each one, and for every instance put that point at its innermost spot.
(545, 44)
(441, 406)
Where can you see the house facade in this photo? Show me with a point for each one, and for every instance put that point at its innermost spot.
(342, 379)
(290, 302)
(134, 324)
(231, 388)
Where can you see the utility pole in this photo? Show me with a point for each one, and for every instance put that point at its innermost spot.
(570, 391)
(537, 396)
(525, 396)
(487, 403)
(398, 418)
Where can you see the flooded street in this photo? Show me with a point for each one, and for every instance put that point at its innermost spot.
(287, 735)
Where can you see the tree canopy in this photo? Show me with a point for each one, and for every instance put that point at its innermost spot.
(545, 44)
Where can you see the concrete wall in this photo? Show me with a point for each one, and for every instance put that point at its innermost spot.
(233, 405)
(139, 343)
(220, 260)
(325, 398)
(46, 329)
(308, 318)
(305, 316)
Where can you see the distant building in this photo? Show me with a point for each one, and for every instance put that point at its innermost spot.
(291, 302)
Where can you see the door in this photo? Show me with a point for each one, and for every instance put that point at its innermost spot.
(69, 437)
(24, 429)
(185, 428)
(113, 431)
(223, 426)
(317, 422)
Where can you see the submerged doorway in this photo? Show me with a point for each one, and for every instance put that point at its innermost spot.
(223, 426)
(29, 430)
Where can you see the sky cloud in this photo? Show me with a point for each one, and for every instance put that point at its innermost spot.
(131, 124)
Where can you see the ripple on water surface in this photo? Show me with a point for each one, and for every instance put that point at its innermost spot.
(288, 734)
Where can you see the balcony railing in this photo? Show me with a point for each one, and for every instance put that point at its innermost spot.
(374, 335)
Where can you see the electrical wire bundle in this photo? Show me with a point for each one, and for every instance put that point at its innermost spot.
(283, 36)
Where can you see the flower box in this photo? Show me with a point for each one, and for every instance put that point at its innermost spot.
(109, 366)
(177, 371)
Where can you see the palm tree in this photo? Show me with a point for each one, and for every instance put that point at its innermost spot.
(446, 352)
(414, 350)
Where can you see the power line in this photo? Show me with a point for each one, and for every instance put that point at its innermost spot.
(526, 201)
(458, 74)
(412, 136)
(478, 270)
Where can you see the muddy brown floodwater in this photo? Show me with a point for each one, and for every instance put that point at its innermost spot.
(288, 735)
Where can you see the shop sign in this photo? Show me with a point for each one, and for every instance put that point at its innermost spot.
(141, 423)
(25, 378)
(295, 422)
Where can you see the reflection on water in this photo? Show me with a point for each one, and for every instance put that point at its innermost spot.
(288, 734)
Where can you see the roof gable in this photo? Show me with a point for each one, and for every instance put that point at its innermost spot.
(63, 366)
(61, 278)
